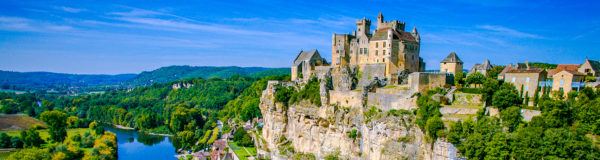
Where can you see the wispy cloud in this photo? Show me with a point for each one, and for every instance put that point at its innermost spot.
(70, 10)
(28, 25)
(510, 32)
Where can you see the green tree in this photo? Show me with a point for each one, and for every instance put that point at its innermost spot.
(536, 96)
(476, 78)
(31, 138)
(57, 122)
(493, 74)
(31, 154)
(505, 98)
(526, 102)
(526, 142)
(459, 78)
(435, 128)
(511, 118)
(498, 147)
(96, 128)
(490, 86)
(455, 133)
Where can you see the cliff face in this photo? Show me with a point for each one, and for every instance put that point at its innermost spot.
(324, 129)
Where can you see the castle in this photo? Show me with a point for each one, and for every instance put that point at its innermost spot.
(389, 49)
(389, 45)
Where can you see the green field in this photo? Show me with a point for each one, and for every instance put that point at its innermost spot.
(44, 132)
(240, 152)
(4, 153)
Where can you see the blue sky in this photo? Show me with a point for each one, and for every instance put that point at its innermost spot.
(102, 37)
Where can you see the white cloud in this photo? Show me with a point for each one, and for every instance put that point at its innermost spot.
(28, 25)
(510, 32)
(71, 10)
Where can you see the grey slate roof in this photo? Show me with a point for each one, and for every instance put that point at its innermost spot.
(485, 66)
(595, 65)
(306, 55)
(452, 58)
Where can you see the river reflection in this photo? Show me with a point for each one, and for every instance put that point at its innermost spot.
(134, 145)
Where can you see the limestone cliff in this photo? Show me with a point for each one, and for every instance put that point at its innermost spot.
(386, 131)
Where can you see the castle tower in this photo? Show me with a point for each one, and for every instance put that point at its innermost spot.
(451, 64)
(363, 27)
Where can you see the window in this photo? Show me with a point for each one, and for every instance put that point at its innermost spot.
(527, 88)
(383, 44)
(376, 44)
(360, 50)
(376, 52)
(562, 81)
(384, 52)
(513, 80)
(527, 80)
(383, 59)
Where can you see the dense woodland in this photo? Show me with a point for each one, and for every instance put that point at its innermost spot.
(565, 129)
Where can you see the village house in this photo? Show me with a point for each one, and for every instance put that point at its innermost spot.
(482, 68)
(509, 67)
(590, 67)
(526, 79)
(568, 80)
(451, 64)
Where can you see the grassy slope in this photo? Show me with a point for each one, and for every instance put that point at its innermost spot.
(44, 132)
(9, 122)
(240, 152)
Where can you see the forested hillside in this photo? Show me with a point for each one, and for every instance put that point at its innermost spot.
(173, 73)
(48, 80)
(189, 106)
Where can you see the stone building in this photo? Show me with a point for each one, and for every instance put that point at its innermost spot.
(590, 67)
(509, 67)
(389, 45)
(451, 64)
(305, 63)
(482, 68)
(528, 77)
(568, 80)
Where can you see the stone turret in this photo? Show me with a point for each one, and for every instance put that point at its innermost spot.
(363, 27)
(416, 34)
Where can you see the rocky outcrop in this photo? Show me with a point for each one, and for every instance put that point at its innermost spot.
(324, 129)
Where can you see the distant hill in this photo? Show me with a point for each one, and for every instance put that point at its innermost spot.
(49, 80)
(173, 73)
(81, 83)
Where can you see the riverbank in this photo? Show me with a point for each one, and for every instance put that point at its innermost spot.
(122, 127)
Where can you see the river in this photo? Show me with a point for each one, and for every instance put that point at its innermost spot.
(133, 145)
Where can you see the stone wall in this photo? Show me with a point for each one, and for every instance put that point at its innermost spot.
(423, 81)
(467, 99)
(386, 102)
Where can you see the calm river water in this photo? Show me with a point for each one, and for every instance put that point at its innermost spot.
(134, 145)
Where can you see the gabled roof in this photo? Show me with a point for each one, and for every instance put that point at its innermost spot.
(381, 34)
(306, 55)
(572, 72)
(452, 58)
(485, 66)
(562, 67)
(525, 70)
(595, 64)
